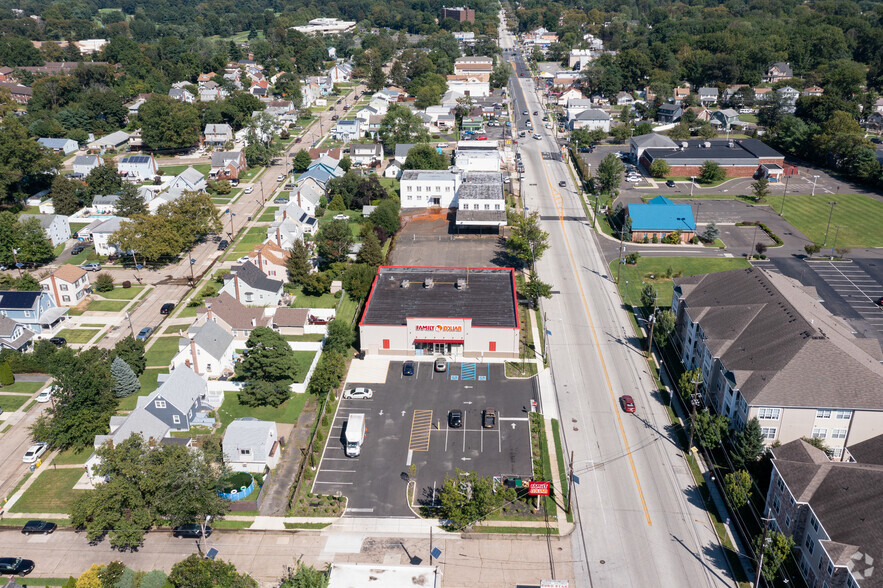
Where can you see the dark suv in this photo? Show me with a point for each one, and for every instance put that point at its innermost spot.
(191, 531)
(16, 566)
(40, 527)
(167, 308)
(223, 244)
(455, 419)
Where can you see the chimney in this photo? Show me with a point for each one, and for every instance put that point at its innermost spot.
(284, 214)
(260, 260)
(208, 311)
(193, 355)
(278, 238)
(298, 199)
(236, 286)
(55, 289)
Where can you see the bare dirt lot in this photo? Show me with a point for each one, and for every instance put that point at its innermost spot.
(431, 240)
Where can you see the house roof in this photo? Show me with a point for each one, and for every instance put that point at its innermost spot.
(271, 252)
(218, 129)
(105, 199)
(708, 92)
(668, 108)
(86, 160)
(402, 149)
(254, 277)
(291, 317)
(110, 225)
(592, 114)
(783, 67)
(222, 158)
(213, 338)
(234, 313)
(308, 192)
(430, 175)
(661, 214)
(318, 152)
(653, 140)
(46, 220)
(249, 433)
(191, 175)
(54, 143)
(115, 138)
(138, 421)
(67, 273)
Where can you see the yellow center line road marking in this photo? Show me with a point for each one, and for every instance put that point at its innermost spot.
(421, 425)
(559, 206)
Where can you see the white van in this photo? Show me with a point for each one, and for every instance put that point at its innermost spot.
(355, 434)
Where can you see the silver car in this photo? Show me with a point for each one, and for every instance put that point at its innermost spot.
(34, 452)
(359, 393)
(441, 364)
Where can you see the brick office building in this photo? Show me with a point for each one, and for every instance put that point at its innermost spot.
(459, 13)
(740, 158)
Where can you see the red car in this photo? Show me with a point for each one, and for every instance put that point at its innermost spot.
(628, 404)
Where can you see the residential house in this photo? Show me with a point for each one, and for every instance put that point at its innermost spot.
(291, 321)
(227, 165)
(114, 141)
(366, 155)
(680, 94)
(372, 128)
(472, 124)
(271, 259)
(831, 510)
(207, 349)
(481, 201)
(401, 152)
(190, 179)
(577, 105)
(133, 106)
(318, 174)
(813, 91)
(320, 152)
(789, 95)
(428, 188)
(249, 285)
(874, 121)
(568, 95)
(138, 168)
(63, 146)
(284, 232)
(878, 105)
(100, 232)
(659, 218)
(730, 92)
(233, 316)
(768, 349)
(105, 204)
(7, 74)
(218, 135)
(182, 95)
(251, 445)
(35, 311)
(206, 77)
(341, 73)
(702, 113)
(211, 94)
(707, 96)
(669, 113)
(14, 335)
(83, 164)
(473, 64)
(393, 170)
(56, 226)
(777, 72)
(260, 88)
(624, 99)
(20, 94)
(346, 130)
(591, 120)
(725, 118)
(761, 94)
(279, 107)
(307, 195)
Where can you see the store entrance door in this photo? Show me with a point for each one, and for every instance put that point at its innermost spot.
(441, 348)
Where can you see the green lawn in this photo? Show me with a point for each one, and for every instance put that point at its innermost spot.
(354, 221)
(267, 216)
(73, 456)
(391, 185)
(287, 412)
(12, 402)
(148, 385)
(78, 335)
(749, 118)
(52, 491)
(174, 170)
(120, 293)
(162, 351)
(23, 387)
(107, 305)
(347, 309)
(859, 217)
(303, 301)
(246, 243)
(633, 275)
(307, 338)
(304, 360)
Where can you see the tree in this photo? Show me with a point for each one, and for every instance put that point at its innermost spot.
(425, 156)
(346, 163)
(340, 336)
(104, 180)
(370, 254)
(777, 548)
(6, 376)
(270, 358)
(748, 445)
(131, 351)
(151, 235)
(337, 203)
(659, 168)
(298, 263)
(65, 198)
(168, 124)
(711, 428)
(200, 572)
(711, 171)
(301, 161)
(685, 382)
(316, 284)
(610, 173)
(818, 444)
(333, 242)
(192, 216)
(462, 508)
(760, 189)
(377, 79)
(400, 125)
(22, 160)
(738, 486)
(527, 241)
(706, 131)
(326, 376)
(386, 216)
(125, 382)
(649, 296)
(811, 249)
(680, 132)
(357, 280)
(760, 248)
(711, 232)
(91, 577)
(104, 282)
(500, 75)
(534, 289)
(257, 393)
(305, 576)
(32, 243)
(130, 203)
(665, 326)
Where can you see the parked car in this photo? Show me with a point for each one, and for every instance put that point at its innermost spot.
(91, 267)
(537, 136)
(335, 117)
(248, 190)
(299, 139)
(16, 566)
(455, 419)
(670, 183)
(408, 368)
(627, 403)
(191, 531)
(144, 333)
(223, 244)
(341, 217)
(489, 418)
(525, 113)
(166, 308)
(359, 393)
(441, 364)
(34, 452)
(536, 112)
(58, 341)
(41, 527)
(77, 250)
(45, 395)
(243, 259)
(562, 183)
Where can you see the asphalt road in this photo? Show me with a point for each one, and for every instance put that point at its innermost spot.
(15, 442)
(640, 520)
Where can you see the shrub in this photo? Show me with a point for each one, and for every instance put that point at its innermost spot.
(6, 376)
(127, 284)
(103, 283)
(655, 239)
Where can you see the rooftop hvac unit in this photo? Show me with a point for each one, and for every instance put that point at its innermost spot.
(684, 146)
(428, 283)
(406, 283)
(461, 283)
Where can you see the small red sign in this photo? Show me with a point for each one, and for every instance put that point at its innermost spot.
(538, 488)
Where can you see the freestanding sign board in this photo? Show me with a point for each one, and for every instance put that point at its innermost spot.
(538, 488)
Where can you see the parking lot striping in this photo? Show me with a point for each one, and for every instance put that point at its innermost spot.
(341, 483)
(421, 424)
(342, 458)
(514, 419)
(468, 371)
(360, 510)
(410, 457)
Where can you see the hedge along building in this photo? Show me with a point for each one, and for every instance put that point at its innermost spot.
(456, 311)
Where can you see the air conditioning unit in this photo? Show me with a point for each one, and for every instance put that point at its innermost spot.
(406, 283)
(428, 283)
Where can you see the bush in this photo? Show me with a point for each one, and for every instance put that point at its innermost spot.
(127, 284)
(103, 283)
(6, 376)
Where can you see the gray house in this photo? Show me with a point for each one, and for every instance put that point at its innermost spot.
(56, 226)
(724, 118)
(178, 400)
(251, 445)
(669, 113)
(83, 164)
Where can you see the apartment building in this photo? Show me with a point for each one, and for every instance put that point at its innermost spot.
(425, 188)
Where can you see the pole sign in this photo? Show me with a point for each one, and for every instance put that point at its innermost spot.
(538, 488)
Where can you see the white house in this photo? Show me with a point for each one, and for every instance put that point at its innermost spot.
(249, 285)
(577, 105)
(83, 164)
(190, 180)
(65, 146)
(624, 99)
(182, 95)
(251, 445)
(425, 188)
(590, 119)
(105, 204)
(469, 85)
(116, 140)
(56, 226)
(284, 232)
(67, 285)
(707, 96)
(307, 196)
(366, 155)
(567, 95)
(341, 73)
(208, 350)
(346, 130)
(101, 233)
(308, 223)
(218, 134)
(138, 168)
(393, 170)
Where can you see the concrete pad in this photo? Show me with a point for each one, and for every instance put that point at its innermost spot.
(343, 544)
(371, 370)
(268, 523)
(84, 483)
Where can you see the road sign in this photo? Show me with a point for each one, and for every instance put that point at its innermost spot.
(435, 553)
(575, 478)
(538, 488)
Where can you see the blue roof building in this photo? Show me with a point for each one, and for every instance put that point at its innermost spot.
(660, 217)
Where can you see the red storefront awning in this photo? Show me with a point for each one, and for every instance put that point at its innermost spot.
(460, 341)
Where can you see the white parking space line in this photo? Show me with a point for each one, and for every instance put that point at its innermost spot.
(341, 483)
(341, 459)
(328, 470)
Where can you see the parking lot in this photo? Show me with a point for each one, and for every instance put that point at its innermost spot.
(857, 289)
(432, 241)
(407, 423)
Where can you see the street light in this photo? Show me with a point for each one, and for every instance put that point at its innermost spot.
(830, 214)
(192, 278)
(692, 183)
(834, 246)
(814, 180)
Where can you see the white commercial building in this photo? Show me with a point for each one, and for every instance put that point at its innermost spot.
(326, 26)
(425, 188)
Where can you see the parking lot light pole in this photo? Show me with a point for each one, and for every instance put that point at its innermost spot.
(834, 245)
(814, 180)
(692, 183)
(830, 214)
(15, 258)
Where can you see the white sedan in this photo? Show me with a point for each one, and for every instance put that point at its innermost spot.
(359, 393)
(34, 452)
(45, 395)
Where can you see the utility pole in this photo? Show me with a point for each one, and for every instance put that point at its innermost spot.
(15, 258)
(753, 241)
(830, 215)
(131, 328)
(833, 247)
(570, 482)
(652, 321)
(694, 401)
(763, 544)
(621, 253)
(782, 212)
